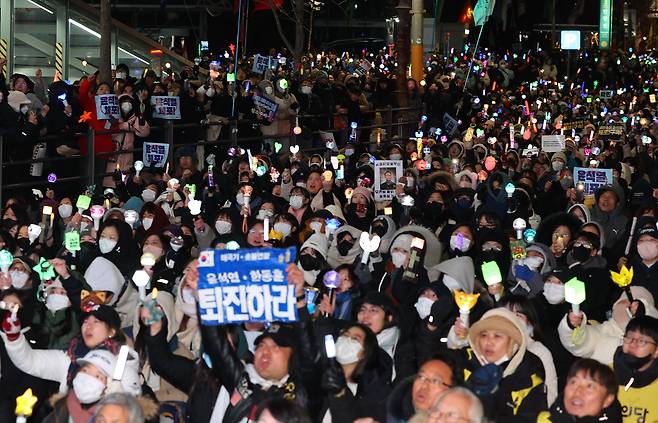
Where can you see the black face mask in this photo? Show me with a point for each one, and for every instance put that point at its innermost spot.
(344, 247)
(8, 223)
(491, 255)
(433, 210)
(23, 243)
(581, 253)
(309, 262)
(188, 240)
(464, 203)
(635, 363)
(379, 230)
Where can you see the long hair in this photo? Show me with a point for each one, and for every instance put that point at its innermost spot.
(521, 304)
(370, 365)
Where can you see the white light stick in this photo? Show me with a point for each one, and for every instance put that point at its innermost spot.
(141, 279)
(139, 165)
(121, 362)
(33, 232)
(266, 229)
(368, 245)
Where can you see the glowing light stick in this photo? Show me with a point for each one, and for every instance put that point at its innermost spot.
(130, 216)
(24, 405)
(97, 213)
(33, 232)
(83, 203)
(519, 225)
(141, 279)
(465, 302)
(139, 165)
(6, 259)
(623, 280)
(331, 280)
(574, 293)
(368, 245)
(211, 165)
(491, 274)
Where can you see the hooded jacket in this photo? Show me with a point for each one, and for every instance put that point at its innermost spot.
(600, 341)
(519, 394)
(317, 242)
(614, 222)
(103, 275)
(334, 258)
(523, 280)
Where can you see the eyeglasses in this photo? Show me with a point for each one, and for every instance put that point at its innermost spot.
(638, 341)
(585, 244)
(448, 417)
(434, 381)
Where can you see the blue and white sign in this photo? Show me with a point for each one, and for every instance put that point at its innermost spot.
(593, 179)
(246, 285)
(166, 107)
(107, 107)
(155, 154)
(570, 40)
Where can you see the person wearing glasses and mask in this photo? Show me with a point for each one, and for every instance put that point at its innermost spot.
(636, 368)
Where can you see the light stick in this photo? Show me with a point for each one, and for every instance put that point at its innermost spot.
(97, 213)
(465, 302)
(368, 245)
(491, 275)
(574, 293)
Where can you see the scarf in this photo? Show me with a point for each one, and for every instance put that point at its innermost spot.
(76, 412)
(265, 384)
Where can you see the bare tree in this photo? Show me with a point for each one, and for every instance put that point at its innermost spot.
(104, 69)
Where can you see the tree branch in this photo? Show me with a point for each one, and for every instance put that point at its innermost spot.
(278, 26)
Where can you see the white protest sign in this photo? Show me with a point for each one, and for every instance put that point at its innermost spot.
(450, 124)
(166, 107)
(552, 143)
(387, 173)
(155, 154)
(592, 178)
(107, 107)
(261, 63)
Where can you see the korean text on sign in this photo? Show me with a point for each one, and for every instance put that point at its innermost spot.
(155, 154)
(246, 285)
(107, 107)
(593, 179)
(166, 107)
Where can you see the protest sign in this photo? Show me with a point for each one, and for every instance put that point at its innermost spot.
(155, 154)
(568, 125)
(606, 94)
(363, 68)
(552, 143)
(261, 63)
(107, 107)
(387, 173)
(592, 179)
(610, 131)
(166, 107)
(265, 107)
(246, 285)
(450, 124)
(327, 138)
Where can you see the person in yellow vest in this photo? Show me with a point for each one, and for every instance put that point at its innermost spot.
(636, 367)
(588, 396)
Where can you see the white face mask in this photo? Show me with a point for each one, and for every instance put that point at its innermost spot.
(18, 278)
(557, 165)
(264, 213)
(147, 222)
(451, 283)
(269, 90)
(25, 109)
(349, 152)
(316, 226)
(454, 243)
(306, 89)
(120, 75)
(223, 227)
(284, 227)
(153, 249)
(347, 350)
(106, 245)
(210, 92)
(148, 196)
(188, 303)
(65, 210)
(56, 302)
(239, 198)
(296, 202)
(87, 388)
(398, 258)
(395, 156)
(126, 107)
(533, 262)
(554, 293)
(423, 307)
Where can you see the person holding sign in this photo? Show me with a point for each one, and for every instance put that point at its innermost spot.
(282, 366)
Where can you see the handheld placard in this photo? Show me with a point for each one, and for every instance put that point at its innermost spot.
(368, 245)
(574, 293)
(491, 274)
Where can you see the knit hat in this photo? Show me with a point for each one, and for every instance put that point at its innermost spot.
(501, 322)
(318, 242)
(366, 192)
(559, 155)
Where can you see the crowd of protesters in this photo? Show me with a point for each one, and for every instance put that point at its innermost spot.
(478, 190)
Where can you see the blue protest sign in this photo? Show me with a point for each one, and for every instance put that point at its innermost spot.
(246, 285)
(592, 178)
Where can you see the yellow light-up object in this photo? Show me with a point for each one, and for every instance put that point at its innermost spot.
(623, 278)
(25, 403)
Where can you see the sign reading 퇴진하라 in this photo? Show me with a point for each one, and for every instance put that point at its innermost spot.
(246, 285)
